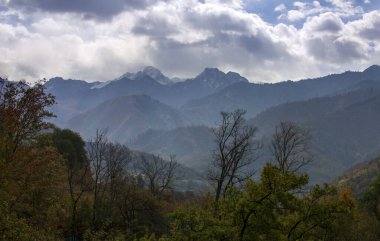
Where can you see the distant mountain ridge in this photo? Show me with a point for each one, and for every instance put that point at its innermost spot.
(257, 97)
(344, 131)
(75, 96)
(126, 117)
(342, 111)
(204, 96)
(152, 72)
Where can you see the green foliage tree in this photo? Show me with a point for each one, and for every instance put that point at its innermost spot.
(277, 207)
(370, 200)
(272, 209)
(31, 171)
(78, 173)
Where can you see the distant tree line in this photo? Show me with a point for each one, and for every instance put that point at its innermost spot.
(55, 186)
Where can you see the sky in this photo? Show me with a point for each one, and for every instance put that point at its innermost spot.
(263, 40)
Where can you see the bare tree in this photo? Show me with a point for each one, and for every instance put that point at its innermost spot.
(97, 149)
(290, 147)
(159, 173)
(234, 154)
(108, 164)
(117, 157)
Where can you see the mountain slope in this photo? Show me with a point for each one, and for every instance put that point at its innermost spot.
(192, 146)
(257, 97)
(126, 117)
(359, 177)
(344, 129)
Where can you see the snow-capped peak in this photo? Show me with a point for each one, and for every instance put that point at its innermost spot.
(150, 71)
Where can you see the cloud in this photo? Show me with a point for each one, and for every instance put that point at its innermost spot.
(182, 37)
(280, 8)
(337, 51)
(302, 10)
(299, 5)
(88, 8)
(326, 22)
(295, 15)
(368, 27)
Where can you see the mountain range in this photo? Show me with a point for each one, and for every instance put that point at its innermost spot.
(76, 96)
(154, 113)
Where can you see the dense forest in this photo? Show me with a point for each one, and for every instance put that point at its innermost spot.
(56, 186)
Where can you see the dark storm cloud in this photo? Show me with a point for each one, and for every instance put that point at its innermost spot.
(101, 9)
(154, 27)
(263, 46)
(217, 21)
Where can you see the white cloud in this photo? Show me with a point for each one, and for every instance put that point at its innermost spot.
(182, 37)
(316, 4)
(302, 10)
(299, 5)
(325, 22)
(295, 15)
(280, 8)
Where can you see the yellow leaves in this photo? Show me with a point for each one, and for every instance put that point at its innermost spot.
(33, 183)
(346, 196)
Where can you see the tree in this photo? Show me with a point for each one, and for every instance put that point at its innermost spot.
(270, 208)
(78, 172)
(290, 147)
(159, 173)
(108, 164)
(234, 155)
(31, 169)
(370, 199)
(137, 208)
(267, 209)
(96, 152)
(23, 114)
(117, 158)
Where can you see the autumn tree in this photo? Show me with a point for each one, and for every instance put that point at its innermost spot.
(31, 169)
(23, 114)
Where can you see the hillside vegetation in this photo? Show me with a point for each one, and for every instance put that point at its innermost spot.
(55, 186)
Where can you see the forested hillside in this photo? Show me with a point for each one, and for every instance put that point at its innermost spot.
(56, 187)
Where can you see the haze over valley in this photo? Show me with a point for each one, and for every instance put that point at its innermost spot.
(150, 112)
